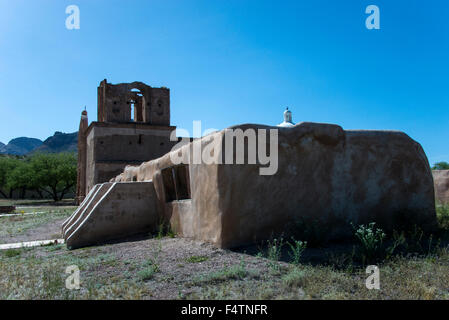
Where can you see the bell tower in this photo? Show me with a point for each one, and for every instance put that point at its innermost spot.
(133, 127)
(151, 105)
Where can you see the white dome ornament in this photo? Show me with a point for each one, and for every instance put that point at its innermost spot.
(287, 119)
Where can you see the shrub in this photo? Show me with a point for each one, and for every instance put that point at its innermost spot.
(296, 250)
(274, 251)
(371, 239)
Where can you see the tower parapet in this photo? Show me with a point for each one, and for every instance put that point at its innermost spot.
(133, 102)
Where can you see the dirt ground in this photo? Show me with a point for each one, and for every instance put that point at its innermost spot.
(168, 267)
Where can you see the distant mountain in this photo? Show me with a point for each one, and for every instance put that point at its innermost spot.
(20, 146)
(59, 142)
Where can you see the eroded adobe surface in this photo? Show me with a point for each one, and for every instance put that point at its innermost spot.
(441, 180)
(326, 176)
(151, 105)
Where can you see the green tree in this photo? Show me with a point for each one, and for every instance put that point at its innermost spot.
(53, 173)
(20, 177)
(7, 164)
(441, 166)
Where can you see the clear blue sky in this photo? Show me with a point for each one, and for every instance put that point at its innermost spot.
(230, 62)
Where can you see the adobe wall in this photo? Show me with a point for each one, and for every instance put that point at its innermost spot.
(441, 181)
(110, 147)
(326, 176)
(330, 177)
(198, 217)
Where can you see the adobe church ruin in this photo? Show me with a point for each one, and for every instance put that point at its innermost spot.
(325, 175)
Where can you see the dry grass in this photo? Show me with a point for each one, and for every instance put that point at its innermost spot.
(38, 273)
(174, 268)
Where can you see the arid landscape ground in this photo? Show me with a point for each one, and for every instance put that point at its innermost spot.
(162, 266)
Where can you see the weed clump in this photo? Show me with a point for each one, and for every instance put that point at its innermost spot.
(148, 272)
(296, 250)
(370, 239)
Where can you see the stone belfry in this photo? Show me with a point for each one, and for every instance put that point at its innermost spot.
(82, 152)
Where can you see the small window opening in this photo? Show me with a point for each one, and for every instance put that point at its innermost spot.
(132, 111)
(176, 183)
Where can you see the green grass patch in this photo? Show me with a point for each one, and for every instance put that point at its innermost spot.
(147, 273)
(236, 272)
(9, 253)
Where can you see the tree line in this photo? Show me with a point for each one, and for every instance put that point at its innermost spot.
(441, 166)
(48, 174)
